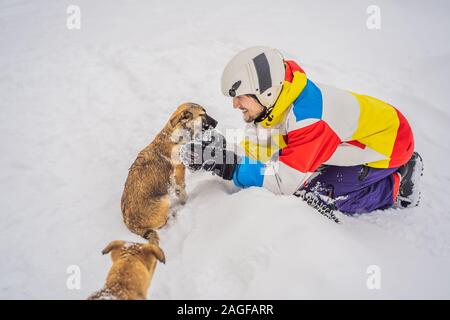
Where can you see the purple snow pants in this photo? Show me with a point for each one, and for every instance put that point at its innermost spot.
(356, 189)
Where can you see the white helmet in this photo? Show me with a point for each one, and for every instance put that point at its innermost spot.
(256, 70)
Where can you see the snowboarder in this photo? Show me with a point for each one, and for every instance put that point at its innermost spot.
(355, 152)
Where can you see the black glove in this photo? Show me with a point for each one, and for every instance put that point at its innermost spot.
(210, 155)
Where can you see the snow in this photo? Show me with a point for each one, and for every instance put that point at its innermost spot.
(78, 105)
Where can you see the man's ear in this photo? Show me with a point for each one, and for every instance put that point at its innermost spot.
(185, 115)
(151, 250)
(116, 244)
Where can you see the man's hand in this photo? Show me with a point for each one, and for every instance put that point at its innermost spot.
(210, 155)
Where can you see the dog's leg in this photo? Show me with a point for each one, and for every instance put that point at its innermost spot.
(180, 185)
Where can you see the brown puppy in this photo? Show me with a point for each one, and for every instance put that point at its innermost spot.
(132, 270)
(157, 173)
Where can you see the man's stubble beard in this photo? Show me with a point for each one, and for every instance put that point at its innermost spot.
(251, 119)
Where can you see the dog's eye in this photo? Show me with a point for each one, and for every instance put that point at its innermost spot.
(187, 115)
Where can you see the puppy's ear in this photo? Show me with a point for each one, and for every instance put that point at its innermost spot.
(116, 244)
(150, 250)
(181, 116)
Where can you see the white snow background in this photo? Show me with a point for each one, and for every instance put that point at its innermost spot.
(76, 106)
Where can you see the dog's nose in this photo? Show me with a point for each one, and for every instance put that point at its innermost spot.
(209, 122)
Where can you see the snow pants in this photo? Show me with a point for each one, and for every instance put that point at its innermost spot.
(357, 189)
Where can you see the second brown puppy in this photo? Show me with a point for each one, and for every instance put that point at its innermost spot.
(132, 270)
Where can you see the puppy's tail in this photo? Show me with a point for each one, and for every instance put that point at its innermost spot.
(152, 236)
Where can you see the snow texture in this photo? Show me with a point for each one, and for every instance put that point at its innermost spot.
(78, 105)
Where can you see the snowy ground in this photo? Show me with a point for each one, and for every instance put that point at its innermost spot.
(76, 107)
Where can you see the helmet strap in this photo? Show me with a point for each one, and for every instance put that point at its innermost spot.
(266, 113)
(263, 114)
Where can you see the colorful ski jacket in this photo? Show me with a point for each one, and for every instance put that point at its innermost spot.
(315, 124)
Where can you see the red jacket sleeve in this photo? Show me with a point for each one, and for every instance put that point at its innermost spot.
(308, 147)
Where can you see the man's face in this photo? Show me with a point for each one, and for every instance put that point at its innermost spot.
(249, 106)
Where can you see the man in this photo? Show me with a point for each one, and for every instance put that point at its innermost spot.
(354, 151)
